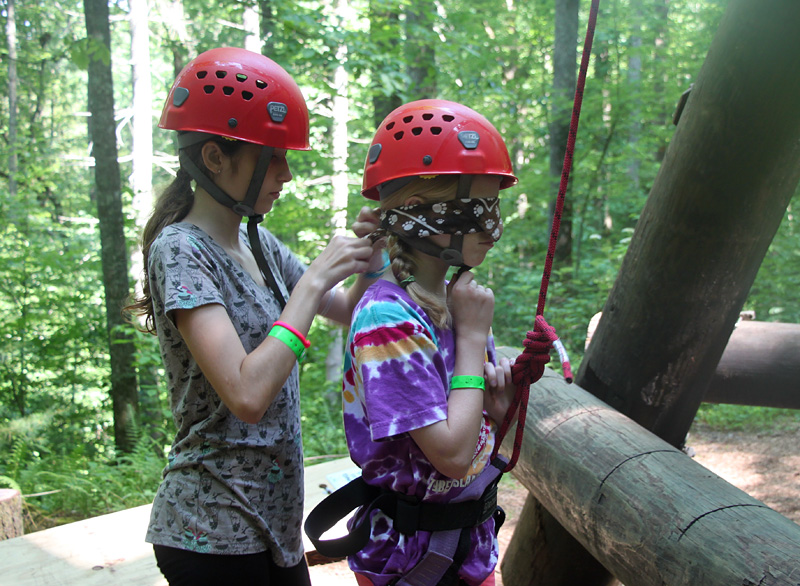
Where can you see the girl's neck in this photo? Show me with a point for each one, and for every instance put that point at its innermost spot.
(430, 274)
(216, 220)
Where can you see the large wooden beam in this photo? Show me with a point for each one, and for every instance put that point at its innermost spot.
(718, 199)
(644, 509)
(760, 366)
(716, 203)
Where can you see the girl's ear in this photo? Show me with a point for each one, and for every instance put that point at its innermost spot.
(414, 200)
(212, 156)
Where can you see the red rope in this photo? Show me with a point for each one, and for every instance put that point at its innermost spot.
(529, 366)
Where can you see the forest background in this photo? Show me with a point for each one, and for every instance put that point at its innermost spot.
(84, 413)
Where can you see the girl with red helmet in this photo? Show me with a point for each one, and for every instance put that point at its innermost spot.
(232, 308)
(423, 390)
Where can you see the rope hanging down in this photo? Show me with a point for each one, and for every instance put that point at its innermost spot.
(528, 369)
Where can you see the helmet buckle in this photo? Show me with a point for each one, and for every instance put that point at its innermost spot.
(452, 257)
(243, 210)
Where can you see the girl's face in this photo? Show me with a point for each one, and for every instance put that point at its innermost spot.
(475, 246)
(235, 177)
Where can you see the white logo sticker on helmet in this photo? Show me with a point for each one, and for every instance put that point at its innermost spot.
(277, 111)
(469, 138)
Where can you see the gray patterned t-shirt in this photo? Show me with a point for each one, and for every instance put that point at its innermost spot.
(229, 487)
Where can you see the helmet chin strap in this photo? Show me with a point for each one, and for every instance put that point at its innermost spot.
(244, 208)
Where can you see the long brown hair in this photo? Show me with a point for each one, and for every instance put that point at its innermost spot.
(171, 207)
(401, 254)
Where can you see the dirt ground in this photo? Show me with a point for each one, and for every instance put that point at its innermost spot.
(766, 465)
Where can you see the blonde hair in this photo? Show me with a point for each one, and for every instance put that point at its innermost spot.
(401, 254)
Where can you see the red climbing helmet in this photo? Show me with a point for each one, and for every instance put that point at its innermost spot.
(435, 137)
(239, 94)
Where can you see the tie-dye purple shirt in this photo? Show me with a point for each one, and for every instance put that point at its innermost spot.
(397, 374)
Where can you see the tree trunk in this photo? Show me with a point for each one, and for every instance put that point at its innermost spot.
(142, 143)
(341, 189)
(634, 115)
(11, 524)
(114, 252)
(384, 30)
(419, 50)
(11, 40)
(652, 515)
(564, 80)
(267, 27)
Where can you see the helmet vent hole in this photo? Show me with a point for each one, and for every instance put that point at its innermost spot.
(390, 126)
(227, 90)
(221, 74)
(241, 77)
(408, 119)
(209, 89)
(247, 96)
(427, 116)
(261, 84)
(416, 131)
(202, 74)
(398, 135)
(436, 130)
(448, 118)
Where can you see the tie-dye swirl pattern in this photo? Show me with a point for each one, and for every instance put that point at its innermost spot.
(397, 371)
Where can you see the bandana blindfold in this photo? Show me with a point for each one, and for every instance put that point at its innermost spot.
(455, 216)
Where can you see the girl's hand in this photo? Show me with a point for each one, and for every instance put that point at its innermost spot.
(367, 221)
(500, 389)
(343, 257)
(472, 307)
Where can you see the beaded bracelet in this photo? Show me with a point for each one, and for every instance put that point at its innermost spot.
(467, 382)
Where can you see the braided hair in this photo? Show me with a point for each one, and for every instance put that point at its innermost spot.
(401, 254)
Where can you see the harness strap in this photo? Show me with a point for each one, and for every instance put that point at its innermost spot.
(443, 548)
(472, 507)
(437, 560)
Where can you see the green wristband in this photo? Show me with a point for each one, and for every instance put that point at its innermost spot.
(467, 382)
(291, 340)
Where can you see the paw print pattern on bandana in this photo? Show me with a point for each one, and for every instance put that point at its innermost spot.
(458, 216)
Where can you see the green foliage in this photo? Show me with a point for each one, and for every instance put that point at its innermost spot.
(55, 417)
(320, 398)
(745, 418)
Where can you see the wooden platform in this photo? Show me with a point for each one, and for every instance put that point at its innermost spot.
(111, 549)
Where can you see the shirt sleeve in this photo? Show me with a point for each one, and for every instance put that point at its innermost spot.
(403, 373)
(181, 273)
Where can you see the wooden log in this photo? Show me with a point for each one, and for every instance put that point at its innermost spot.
(760, 366)
(728, 176)
(645, 510)
(10, 514)
(716, 203)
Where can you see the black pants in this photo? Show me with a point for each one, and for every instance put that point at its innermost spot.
(189, 568)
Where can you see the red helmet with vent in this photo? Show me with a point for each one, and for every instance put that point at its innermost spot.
(239, 94)
(435, 137)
